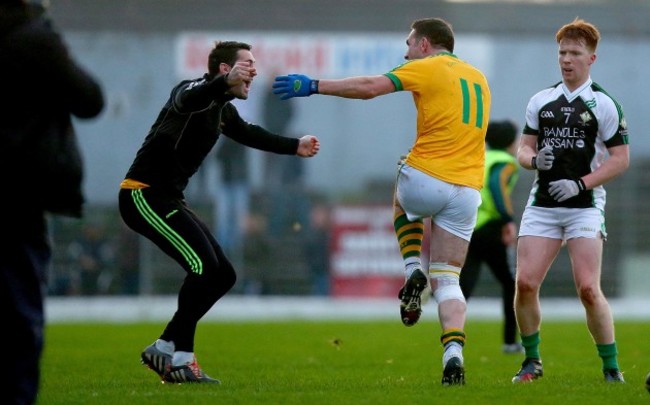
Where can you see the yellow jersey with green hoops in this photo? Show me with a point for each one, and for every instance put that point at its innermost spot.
(453, 101)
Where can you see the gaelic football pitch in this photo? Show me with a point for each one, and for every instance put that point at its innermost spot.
(373, 362)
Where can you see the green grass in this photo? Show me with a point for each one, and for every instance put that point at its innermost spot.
(374, 362)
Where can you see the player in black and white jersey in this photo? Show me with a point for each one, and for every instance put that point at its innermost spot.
(579, 127)
(576, 139)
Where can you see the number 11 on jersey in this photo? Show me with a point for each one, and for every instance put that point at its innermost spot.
(465, 88)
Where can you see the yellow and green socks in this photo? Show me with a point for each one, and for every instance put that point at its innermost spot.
(455, 335)
(409, 236)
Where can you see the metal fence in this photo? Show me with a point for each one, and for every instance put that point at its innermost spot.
(130, 264)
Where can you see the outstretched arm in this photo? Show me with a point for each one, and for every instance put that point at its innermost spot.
(357, 87)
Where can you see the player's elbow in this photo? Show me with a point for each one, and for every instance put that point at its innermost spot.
(623, 158)
(625, 163)
(626, 160)
(367, 96)
(370, 93)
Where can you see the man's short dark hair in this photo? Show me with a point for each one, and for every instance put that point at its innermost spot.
(224, 52)
(500, 134)
(436, 30)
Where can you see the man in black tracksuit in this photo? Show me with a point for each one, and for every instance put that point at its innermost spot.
(152, 202)
(42, 86)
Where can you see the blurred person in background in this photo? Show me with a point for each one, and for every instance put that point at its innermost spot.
(42, 86)
(152, 201)
(316, 248)
(441, 176)
(576, 139)
(283, 177)
(128, 261)
(259, 247)
(92, 257)
(495, 235)
(233, 198)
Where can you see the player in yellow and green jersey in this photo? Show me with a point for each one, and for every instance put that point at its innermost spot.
(440, 178)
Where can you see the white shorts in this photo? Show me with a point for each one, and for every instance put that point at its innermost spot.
(563, 223)
(451, 207)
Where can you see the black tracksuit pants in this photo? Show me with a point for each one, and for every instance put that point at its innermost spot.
(178, 232)
(486, 246)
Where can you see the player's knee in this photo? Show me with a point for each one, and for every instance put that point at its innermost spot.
(589, 295)
(446, 283)
(525, 286)
(448, 292)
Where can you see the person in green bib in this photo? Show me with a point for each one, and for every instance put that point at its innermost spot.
(495, 233)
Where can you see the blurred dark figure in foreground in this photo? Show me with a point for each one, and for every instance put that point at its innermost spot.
(41, 88)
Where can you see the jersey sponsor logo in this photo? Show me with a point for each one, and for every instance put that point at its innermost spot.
(564, 132)
(547, 114)
(564, 137)
(559, 143)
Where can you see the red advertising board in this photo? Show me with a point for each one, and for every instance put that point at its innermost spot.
(365, 257)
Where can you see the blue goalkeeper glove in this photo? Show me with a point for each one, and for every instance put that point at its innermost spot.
(294, 85)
